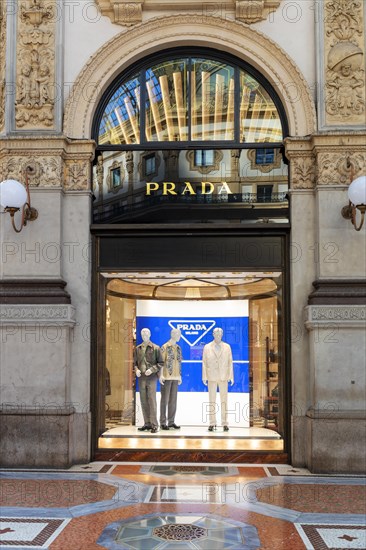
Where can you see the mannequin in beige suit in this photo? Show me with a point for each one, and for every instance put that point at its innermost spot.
(217, 370)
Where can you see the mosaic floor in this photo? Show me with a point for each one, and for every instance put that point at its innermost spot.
(115, 506)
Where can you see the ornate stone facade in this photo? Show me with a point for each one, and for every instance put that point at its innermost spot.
(129, 12)
(241, 40)
(31, 314)
(301, 156)
(56, 162)
(35, 71)
(326, 159)
(2, 64)
(344, 41)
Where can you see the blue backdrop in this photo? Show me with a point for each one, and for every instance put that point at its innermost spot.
(196, 332)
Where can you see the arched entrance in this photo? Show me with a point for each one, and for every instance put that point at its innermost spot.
(151, 132)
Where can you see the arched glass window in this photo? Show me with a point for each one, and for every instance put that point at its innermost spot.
(189, 129)
(190, 98)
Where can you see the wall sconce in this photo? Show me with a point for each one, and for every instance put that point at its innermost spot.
(357, 201)
(14, 197)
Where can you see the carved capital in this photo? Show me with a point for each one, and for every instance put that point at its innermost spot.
(77, 175)
(300, 153)
(303, 172)
(340, 167)
(56, 162)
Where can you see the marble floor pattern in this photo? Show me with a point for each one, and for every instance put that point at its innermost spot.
(141, 506)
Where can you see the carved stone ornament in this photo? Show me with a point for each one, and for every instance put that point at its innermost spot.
(63, 315)
(76, 175)
(252, 11)
(46, 170)
(302, 172)
(340, 167)
(57, 162)
(129, 12)
(2, 63)
(317, 317)
(35, 98)
(345, 62)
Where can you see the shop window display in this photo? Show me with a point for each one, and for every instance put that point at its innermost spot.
(215, 365)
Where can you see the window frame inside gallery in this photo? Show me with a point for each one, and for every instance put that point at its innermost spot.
(213, 442)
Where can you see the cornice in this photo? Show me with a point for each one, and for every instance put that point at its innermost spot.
(130, 12)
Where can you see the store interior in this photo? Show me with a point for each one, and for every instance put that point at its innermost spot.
(248, 306)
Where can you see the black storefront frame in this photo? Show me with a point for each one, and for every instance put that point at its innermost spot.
(106, 241)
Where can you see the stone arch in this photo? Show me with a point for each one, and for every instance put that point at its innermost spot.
(182, 30)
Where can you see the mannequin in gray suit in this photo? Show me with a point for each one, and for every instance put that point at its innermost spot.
(217, 370)
(147, 363)
(170, 378)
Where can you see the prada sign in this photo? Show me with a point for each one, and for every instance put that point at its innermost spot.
(186, 188)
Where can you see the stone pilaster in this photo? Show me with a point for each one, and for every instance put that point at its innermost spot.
(2, 64)
(37, 87)
(341, 64)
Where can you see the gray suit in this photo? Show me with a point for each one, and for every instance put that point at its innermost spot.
(148, 356)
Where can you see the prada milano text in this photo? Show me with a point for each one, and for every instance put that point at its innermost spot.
(204, 188)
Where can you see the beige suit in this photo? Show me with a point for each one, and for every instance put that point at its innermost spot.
(217, 362)
(217, 369)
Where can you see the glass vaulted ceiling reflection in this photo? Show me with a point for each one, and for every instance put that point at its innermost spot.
(193, 286)
(190, 99)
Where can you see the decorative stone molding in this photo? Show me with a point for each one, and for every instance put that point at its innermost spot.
(33, 291)
(338, 168)
(326, 159)
(264, 168)
(332, 292)
(57, 161)
(347, 316)
(37, 314)
(35, 65)
(116, 176)
(162, 32)
(2, 63)
(129, 12)
(218, 156)
(252, 11)
(342, 43)
(303, 169)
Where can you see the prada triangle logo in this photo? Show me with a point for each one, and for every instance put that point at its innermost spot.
(193, 330)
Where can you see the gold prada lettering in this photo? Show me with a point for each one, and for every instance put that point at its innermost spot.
(168, 188)
(203, 188)
(224, 189)
(188, 189)
(151, 187)
(210, 189)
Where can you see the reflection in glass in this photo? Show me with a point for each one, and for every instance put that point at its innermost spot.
(120, 122)
(194, 99)
(166, 101)
(212, 96)
(259, 117)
